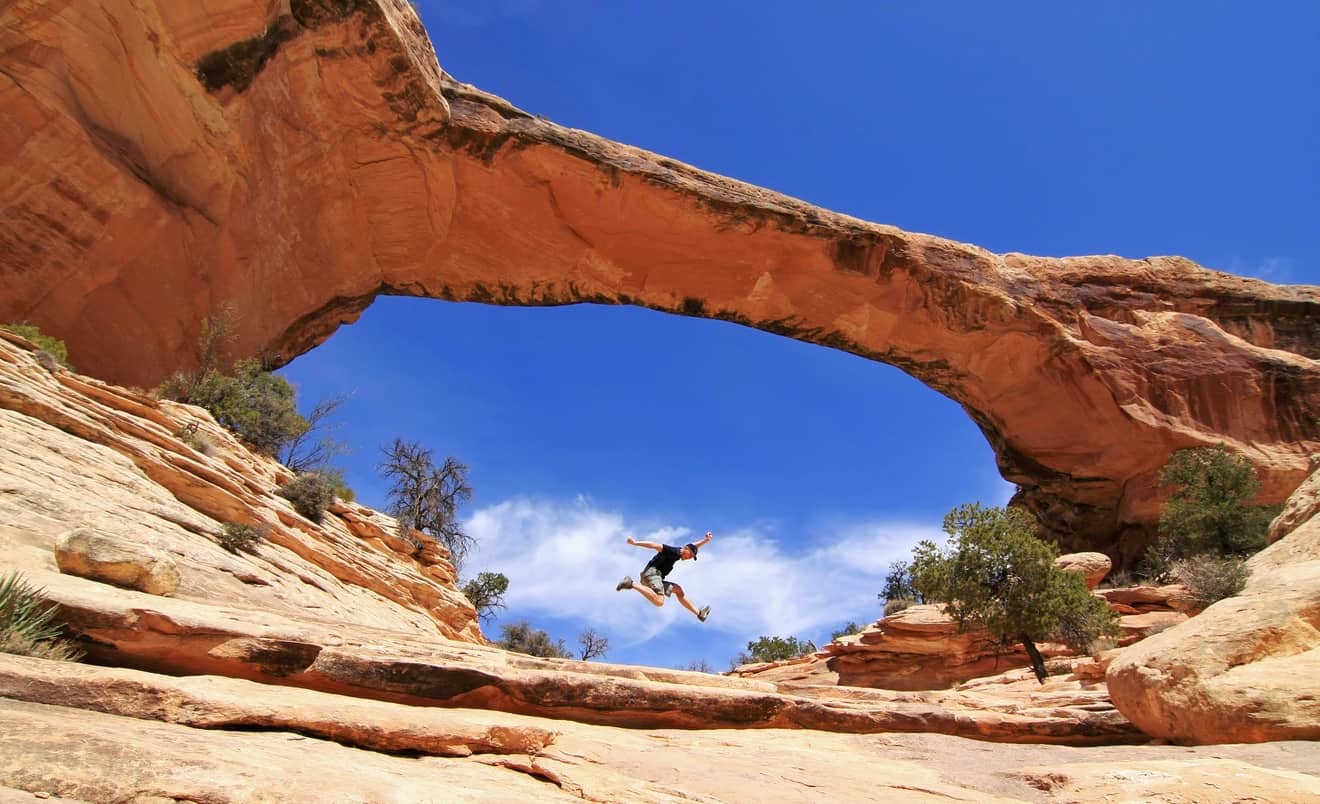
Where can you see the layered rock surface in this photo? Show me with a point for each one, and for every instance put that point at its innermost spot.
(289, 162)
(372, 683)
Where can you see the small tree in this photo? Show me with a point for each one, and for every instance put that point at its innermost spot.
(592, 644)
(425, 498)
(259, 407)
(997, 574)
(520, 637)
(313, 449)
(898, 583)
(774, 649)
(1208, 511)
(486, 593)
(847, 630)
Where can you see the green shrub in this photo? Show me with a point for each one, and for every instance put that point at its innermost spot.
(27, 622)
(235, 536)
(1208, 511)
(258, 406)
(896, 604)
(1211, 578)
(310, 493)
(775, 649)
(520, 637)
(49, 345)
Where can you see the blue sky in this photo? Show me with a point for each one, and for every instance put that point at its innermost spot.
(1185, 128)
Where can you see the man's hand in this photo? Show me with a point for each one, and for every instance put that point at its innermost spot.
(631, 541)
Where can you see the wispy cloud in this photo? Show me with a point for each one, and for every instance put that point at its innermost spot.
(1279, 270)
(563, 559)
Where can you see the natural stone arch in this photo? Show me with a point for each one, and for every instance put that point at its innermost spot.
(167, 164)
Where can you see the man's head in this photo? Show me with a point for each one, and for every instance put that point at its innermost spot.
(688, 550)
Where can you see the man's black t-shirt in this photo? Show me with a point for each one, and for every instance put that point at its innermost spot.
(664, 559)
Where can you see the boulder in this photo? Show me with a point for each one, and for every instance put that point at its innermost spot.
(1090, 565)
(1247, 669)
(88, 554)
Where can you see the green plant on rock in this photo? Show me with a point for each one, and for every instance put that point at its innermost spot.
(996, 574)
(1208, 511)
(52, 347)
(27, 622)
(238, 537)
(258, 406)
(521, 637)
(775, 649)
(311, 493)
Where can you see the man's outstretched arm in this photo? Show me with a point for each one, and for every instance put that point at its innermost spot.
(704, 539)
(648, 545)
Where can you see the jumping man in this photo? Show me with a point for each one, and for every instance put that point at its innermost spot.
(653, 585)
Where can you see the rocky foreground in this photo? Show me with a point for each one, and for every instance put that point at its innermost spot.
(334, 663)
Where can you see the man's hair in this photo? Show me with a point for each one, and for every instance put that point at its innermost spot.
(693, 548)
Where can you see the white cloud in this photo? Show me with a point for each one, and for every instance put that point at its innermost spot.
(563, 559)
(1279, 270)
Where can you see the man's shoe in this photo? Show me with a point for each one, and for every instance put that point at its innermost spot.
(626, 583)
(704, 613)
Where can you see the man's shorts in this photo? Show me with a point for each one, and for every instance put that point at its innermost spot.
(651, 577)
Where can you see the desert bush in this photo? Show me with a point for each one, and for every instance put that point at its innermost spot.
(258, 406)
(52, 347)
(896, 604)
(1210, 578)
(775, 649)
(236, 537)
(27, 622)
(311, 493)
(521, 637)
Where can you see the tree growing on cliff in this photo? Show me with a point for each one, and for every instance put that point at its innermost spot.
(486, 593)
(426, 498)
(1208, 512)
(995, 573)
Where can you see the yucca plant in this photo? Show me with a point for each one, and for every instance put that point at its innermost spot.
(27, 622)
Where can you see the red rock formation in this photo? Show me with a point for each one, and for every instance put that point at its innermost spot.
(1247, 669)
(166, 161)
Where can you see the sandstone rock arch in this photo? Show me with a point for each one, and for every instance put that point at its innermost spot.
(294, 160)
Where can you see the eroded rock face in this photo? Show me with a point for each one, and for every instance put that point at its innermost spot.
(167, 161)
(1247, 669)
(105, 483)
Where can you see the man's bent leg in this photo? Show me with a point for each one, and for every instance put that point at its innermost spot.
(649, 594)
(682, 598)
